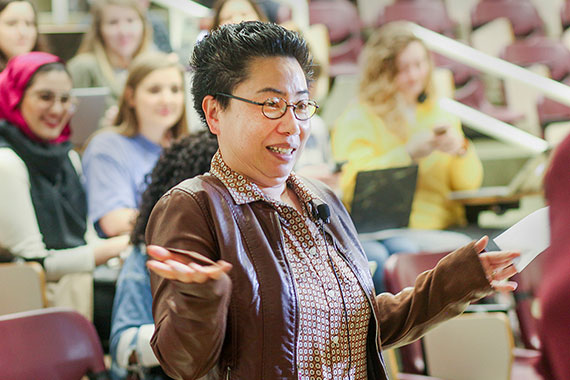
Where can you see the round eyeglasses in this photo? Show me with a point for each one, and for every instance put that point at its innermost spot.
(48, 98)
(275, 108)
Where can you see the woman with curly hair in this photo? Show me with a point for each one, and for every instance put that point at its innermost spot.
(397, 122)
(132, 324)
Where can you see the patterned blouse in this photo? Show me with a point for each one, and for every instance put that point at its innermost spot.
(328, 346)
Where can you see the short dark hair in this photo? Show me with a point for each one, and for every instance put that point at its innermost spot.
(220, 61)
(185, 158)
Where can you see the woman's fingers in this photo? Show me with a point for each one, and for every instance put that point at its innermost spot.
(504, 286)
(162, 269)
(481, 244)
(162, 254)
(157, 252)
(498, 266)
(187, 273)
(504, 273)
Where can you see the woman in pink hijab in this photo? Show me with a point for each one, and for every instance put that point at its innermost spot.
(43, 212)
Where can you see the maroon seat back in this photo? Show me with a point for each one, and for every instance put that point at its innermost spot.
(461, 73)
(540, 50)
(551, 111)
(344, 27)
(429, 14)
(521, 13)
(53, 343)
(400, 271)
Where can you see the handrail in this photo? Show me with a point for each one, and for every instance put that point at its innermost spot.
(60, 9)
(188, 7)
(490, 126)
(492, 65)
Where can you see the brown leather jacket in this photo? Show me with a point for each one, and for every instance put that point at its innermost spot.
(244, 325)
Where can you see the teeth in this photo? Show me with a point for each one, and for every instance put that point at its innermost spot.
(280, 150)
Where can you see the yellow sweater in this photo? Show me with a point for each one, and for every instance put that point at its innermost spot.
(362, 139)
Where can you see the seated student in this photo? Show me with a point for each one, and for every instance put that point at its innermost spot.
(119, 32)
(18, 30)
(397, 122)
(116, 161)
(132, 324)
(554, 324)
(43, 213)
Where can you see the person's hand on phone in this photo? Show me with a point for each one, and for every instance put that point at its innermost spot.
(420, 145)
(447, 140)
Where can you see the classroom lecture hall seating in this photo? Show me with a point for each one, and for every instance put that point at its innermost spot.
(343, 24)
(50, 344)
(400, 271)
(521, 13)
(429, 14)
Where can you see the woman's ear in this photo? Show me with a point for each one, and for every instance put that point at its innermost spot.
(212, 111)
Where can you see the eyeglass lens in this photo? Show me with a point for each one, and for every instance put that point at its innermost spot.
(50, 98)
(275, 108)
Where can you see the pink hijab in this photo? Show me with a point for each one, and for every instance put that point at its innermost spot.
(13, 81)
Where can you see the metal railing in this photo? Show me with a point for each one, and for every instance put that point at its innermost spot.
(492, 65)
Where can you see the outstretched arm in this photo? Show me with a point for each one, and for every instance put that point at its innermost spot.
(191, 291)
(444, 292)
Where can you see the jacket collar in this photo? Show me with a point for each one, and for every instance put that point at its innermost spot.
(244, 191)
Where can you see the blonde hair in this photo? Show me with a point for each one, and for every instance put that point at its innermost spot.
(93, 41)
(377, 86)
(139, 69)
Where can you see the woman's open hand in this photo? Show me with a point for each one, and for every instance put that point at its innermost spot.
(182, 267)
(498, 266)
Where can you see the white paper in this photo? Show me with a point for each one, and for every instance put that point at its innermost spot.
(530, 237)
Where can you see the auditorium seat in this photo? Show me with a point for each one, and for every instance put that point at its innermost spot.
(23, 287)
(52, 343)
(344, 27)
(429, 14)
(521, 13)
(400, 271)
(540, 50)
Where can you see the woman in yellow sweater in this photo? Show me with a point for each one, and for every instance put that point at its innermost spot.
(397, 122)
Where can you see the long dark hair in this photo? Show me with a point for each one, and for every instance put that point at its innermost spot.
(185, 158)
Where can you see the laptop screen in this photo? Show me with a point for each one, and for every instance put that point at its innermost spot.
(383, 198)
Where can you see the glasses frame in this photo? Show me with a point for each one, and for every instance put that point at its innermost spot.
(287, 105)
(69, 105)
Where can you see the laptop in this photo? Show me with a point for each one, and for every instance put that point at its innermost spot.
(527, 180)
(383, 198)
(90, 109)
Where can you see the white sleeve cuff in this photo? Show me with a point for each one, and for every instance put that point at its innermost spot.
(145, 355)
(126, 347)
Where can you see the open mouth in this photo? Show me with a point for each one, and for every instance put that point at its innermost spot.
(279, 150)
(52, 123)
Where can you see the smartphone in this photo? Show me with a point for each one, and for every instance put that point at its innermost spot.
(440, 130)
